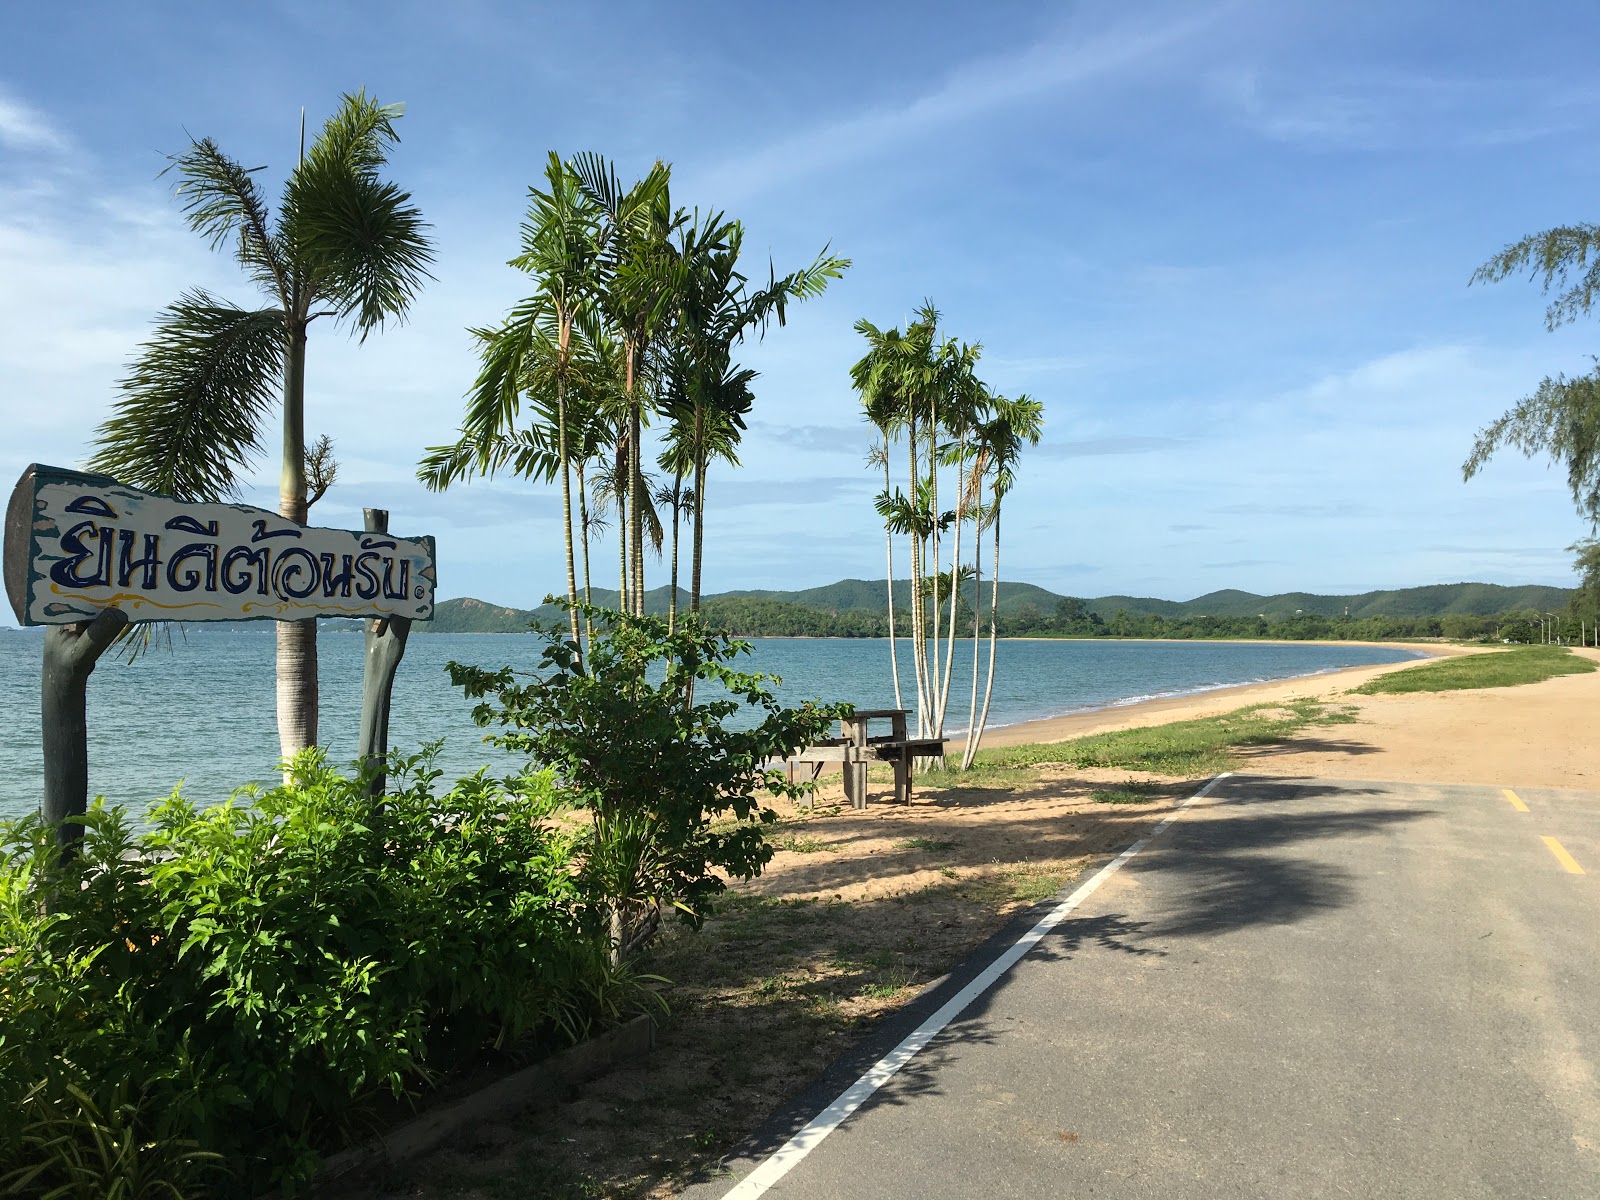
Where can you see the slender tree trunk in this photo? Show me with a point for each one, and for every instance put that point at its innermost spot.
(699, 506)
(971, 747)
(635, 487)
(955, 590)
(936, 715)
(994, 610)
(699, 529)
(583, 529)
(677, 509)
(566, 486)
(297, 640)
(888, 546)
(622, 532)
(919, 649)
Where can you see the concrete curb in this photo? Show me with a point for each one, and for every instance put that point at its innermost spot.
(543, 1084)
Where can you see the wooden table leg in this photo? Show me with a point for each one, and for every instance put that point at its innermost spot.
(902, 778)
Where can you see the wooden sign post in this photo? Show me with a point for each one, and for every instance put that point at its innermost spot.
(86, 556)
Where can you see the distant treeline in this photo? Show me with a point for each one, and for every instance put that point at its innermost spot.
(1071, 617)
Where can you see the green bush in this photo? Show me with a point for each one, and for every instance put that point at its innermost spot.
(674, 791)
(257, 970)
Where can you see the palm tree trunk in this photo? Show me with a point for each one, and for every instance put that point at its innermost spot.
(622, 531)
(699, 526)
(955, 591)
(888, 545)
(583, 530)
(994, 609)
(971, 747)
(635, 488)
(677, 509)
(936, 714)
(919, 584)
(566, 491)
(297, 640)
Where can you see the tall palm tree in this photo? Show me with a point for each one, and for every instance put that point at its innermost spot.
(1015, 422)
(715, 310)
(636, 274)
(345, 244)
(537, 344)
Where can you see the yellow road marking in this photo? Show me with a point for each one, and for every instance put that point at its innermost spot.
(1562, 857)
(1516, 800)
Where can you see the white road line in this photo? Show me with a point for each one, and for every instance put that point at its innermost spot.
(786, 1157)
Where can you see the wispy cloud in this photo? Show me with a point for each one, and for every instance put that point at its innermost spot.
(1377, 112)
(1096, 447)
(25, 128)
(1071, 58)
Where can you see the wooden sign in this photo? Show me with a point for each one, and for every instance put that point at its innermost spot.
(76, 544)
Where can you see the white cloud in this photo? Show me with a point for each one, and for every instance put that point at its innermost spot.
(1072, 58)
(26, 128)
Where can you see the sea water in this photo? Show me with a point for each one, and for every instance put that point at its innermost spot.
(201, 713)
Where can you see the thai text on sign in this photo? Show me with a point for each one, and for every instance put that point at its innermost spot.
(77, 543)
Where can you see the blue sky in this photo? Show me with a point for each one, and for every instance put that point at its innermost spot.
(1227, 245)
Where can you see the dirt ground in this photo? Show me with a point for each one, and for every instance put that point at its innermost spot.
(860, 909)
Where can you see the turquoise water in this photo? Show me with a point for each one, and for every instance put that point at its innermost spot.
(202, 712)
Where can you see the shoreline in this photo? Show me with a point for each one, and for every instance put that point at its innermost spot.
(1189, 706)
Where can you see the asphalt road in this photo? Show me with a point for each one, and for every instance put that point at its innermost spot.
(1299, 988)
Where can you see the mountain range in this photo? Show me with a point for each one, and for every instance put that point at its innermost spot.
(866, 596)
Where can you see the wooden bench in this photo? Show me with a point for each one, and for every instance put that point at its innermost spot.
(854, 749)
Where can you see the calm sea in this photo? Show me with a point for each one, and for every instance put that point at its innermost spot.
(202, 712)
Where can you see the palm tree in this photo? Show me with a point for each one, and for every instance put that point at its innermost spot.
(1015, 422)
(345, 244)
(636, 273)
(536, 345)
(715, 310)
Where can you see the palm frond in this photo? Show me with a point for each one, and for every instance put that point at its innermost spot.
(190, 417)
(361, 244)
(219, 197)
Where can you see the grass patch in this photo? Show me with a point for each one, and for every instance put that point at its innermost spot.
(1128, 793)
(1502, 668)
(799, 843)
(1189, 748)
(931, 845)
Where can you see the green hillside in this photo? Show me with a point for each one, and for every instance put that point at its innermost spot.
(855, 607)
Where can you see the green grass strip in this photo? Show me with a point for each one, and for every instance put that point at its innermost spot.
(1200, 747)
(1501, 668)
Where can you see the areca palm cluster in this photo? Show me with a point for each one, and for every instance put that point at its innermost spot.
(345, 244)
(921, 393)
(636, 312)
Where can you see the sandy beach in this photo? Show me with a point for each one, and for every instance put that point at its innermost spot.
(1537, 735)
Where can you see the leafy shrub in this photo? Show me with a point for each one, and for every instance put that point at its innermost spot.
(259, 969)
(673, 789)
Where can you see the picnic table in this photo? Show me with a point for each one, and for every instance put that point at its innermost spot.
(855, 748)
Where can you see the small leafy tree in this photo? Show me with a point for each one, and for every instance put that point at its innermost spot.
(645, 733)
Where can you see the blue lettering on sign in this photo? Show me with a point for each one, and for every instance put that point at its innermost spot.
(336, 583)
(294, 573)
(368, 589)
(93, 506)
(66, 571)
(193, 576)
(184, 523)
(238, 583)
(149, 564)
(262, 533)
(390, 591)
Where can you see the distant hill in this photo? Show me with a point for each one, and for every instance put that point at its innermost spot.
(848, 606)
